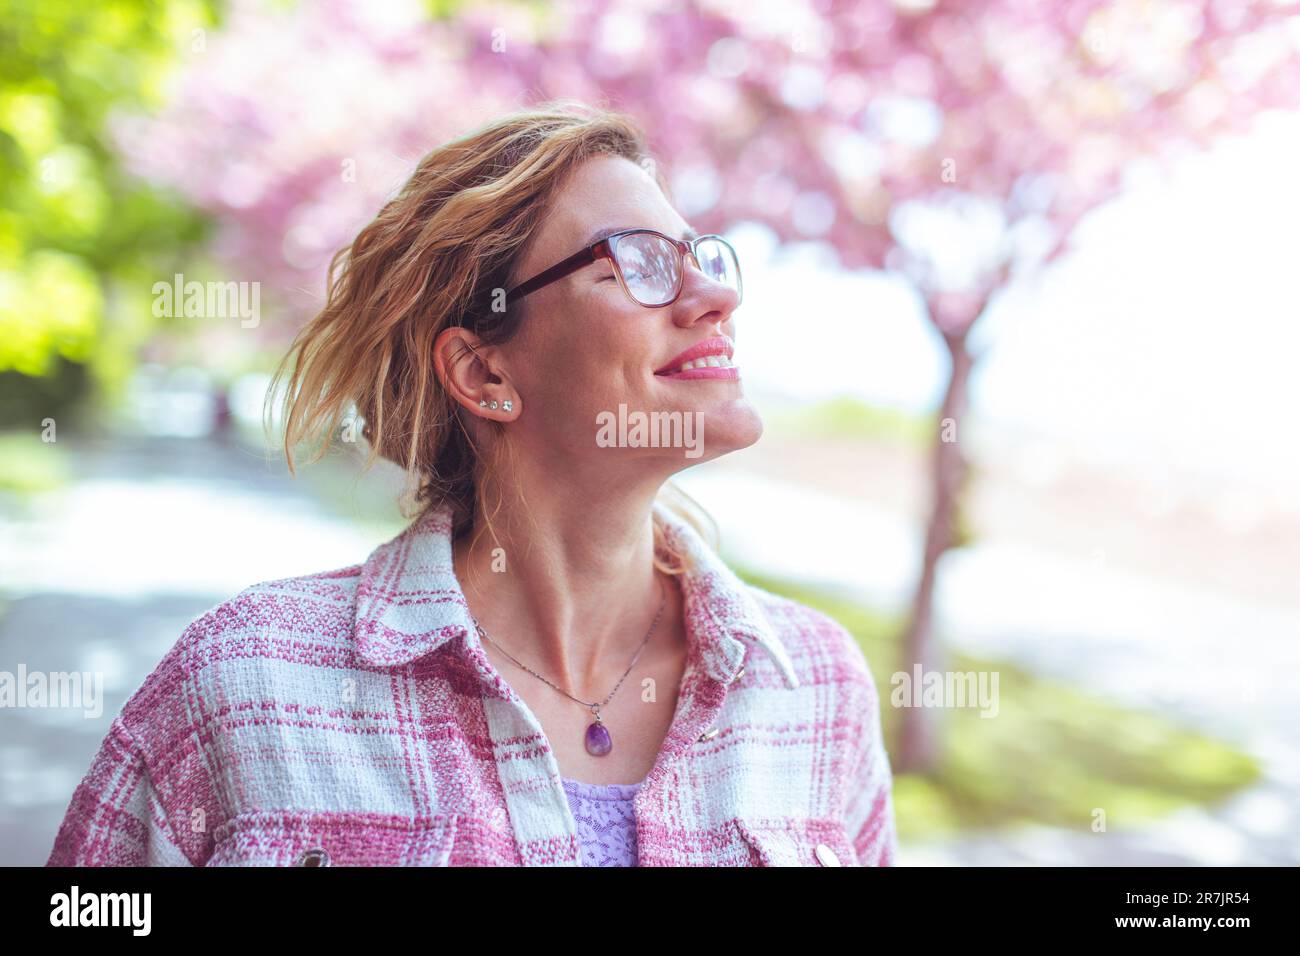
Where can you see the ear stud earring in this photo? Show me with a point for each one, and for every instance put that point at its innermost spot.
(508, 405)
(492, 404)
(482, 403)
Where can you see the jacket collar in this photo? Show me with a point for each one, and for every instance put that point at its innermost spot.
(409, 604)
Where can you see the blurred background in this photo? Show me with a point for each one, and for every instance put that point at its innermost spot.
(1020, 315)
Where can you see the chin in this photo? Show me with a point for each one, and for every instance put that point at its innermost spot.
(685, 437)
(731, 427)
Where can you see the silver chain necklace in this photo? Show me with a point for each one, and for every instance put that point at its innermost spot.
(598, 740)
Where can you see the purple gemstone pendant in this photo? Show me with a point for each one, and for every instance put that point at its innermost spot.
(599, 741)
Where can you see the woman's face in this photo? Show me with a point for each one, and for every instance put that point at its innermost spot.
(585, 348)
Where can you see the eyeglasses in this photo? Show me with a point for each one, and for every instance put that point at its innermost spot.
(648, 264)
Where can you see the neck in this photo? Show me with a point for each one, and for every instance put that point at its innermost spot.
(565, 582)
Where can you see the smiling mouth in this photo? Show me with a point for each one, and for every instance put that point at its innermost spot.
(714, 367)
(710, 359)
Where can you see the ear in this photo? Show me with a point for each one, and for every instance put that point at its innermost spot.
(471, 373)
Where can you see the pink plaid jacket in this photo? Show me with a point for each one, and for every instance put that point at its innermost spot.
(352, 718)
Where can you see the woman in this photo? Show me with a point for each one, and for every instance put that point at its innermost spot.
(550, 666)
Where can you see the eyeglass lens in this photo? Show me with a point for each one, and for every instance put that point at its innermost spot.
(651, 266)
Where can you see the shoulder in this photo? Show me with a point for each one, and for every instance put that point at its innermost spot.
(318, 606)
(822, 650)
(298, 602)
(161, 767)
(267, 620)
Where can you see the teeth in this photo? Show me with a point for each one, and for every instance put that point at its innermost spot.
(708, 361)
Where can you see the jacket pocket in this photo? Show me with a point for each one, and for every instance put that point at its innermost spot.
(301, 838)
(798, 842)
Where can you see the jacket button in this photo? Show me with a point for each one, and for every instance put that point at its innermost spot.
(707, 735)
(826, 856)
(314, 857)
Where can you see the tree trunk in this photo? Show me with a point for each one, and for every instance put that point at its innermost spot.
(918, 748)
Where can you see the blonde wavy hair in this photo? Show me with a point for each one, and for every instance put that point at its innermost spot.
(431, 259)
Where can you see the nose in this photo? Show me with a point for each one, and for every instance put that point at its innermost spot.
(702, 298)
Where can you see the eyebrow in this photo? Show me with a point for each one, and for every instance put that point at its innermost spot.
(599, 234)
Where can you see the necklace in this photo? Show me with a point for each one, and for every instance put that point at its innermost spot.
(598, 740)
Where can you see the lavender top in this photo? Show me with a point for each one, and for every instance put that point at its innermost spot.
(606, 821)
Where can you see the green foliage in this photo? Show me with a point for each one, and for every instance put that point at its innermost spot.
(1052, 755)
(73, 224)
(26, 401)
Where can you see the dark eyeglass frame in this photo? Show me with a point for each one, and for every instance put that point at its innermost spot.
(605, 249)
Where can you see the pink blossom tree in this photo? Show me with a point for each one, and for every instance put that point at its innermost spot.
(956, 143)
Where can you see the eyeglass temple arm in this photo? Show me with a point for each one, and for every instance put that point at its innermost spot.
(558, 271)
